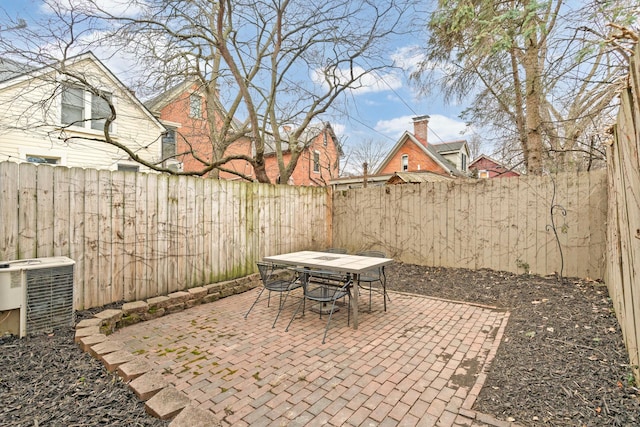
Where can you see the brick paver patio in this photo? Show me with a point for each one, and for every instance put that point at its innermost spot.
(420, 363)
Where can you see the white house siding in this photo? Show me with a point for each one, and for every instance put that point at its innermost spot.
(30, 119)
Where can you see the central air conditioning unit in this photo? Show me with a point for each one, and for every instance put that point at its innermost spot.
(41, 289)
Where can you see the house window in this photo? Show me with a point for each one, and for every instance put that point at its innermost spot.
(100, 110)
(464, 161)
(405, 162)
(316, 161)
(483, 174)
(84, 109)
(195, 106)
(169, 144)
(128, 168)
(72, 106)
(43, 160)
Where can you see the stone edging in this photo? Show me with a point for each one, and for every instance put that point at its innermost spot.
(162, 400)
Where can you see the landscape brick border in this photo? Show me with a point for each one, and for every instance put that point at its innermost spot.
(161, 399)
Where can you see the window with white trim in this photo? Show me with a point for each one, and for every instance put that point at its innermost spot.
(46, 160)
(169, 144)
(405, 162)
(81, 108)
(464, 161)
(483, 174)
(316, 161)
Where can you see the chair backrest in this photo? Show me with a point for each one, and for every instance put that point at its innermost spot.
(335, 250)
(377, 254)
(265, 269)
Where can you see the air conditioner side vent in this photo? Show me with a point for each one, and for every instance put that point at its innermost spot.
(49, 298)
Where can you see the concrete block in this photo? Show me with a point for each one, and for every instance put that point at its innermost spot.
(134, 307)
(87, 342)
(157, 302)
(178, 297)
(110, 316)
(198, 292)
(89, 322)
(147, 385)
(131, 370)
(105, 347)
(85, 332)
(195, 417)
(167, 403)
(154, 313)
(174, 308)
(112, 360)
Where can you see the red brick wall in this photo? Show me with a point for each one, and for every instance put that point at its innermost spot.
(303, 174)
(418, 160)
(196, 133)
(193, 133)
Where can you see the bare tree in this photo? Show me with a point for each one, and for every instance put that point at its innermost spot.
(368, 151)
(540, 73)
(259, 64)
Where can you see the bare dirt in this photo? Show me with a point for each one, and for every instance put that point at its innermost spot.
(562, 361)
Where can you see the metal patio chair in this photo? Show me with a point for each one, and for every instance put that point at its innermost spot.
(374, 275)
(276, 278)
(318, 289)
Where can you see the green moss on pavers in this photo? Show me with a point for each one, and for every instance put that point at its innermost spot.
(129, 319)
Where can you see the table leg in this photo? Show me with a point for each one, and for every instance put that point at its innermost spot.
(354, 300)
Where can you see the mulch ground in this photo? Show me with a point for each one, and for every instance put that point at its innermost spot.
(562, 361)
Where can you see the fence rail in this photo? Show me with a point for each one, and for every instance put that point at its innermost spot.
(502, 224)
(623, 231)
(135, 236)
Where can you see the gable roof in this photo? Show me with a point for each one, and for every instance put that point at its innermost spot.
(449, 147)
(10, 69)
(430, 150)
(500, 166)
(416, 177)
(12, 72)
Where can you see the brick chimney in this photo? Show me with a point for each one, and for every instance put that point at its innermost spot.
(420, 127)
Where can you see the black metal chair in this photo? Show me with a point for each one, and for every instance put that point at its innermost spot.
(318, 289)
(335, 250)
(374, 275)
(276, 278)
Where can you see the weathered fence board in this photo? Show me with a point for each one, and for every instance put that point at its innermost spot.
(135, 236)
(502, 224)
(623, 231)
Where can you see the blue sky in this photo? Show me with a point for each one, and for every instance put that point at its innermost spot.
(381, 111)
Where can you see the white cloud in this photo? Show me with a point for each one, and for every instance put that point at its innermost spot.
(368, 81)
(408, 58)
(441, 128)
(123, 8)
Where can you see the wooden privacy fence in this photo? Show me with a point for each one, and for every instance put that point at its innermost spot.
(623, 231)
(135, 236)
(502, 224)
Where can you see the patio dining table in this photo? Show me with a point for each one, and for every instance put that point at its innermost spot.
(354, 265)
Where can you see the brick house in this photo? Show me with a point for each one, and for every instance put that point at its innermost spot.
(486, 167)
(183, 110)
(413, 153)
